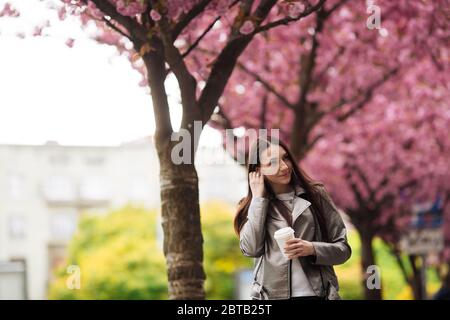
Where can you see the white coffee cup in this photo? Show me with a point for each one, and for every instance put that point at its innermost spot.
(281, 236)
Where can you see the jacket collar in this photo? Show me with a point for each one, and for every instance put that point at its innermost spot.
(288, 195)
(300, 204)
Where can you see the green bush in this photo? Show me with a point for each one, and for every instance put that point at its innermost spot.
(221, 247)
(119, 257)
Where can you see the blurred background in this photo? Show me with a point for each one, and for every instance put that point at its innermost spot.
(80, 201)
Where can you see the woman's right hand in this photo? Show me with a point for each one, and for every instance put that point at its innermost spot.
(256, 180)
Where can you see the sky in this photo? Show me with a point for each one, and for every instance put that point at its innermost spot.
(85, 95)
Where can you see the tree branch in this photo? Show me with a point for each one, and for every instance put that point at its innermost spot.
(366, 97)
(308, 63)
(389, 197)
(400, 263)
(363, 178)
(194, 12)
(136, 31)
(225, 63)
(285, 21)
(314, 141)
(185, 79)
(156, 74)
(339, 52)
(197, 41)
(266, 84)
(147, 22)
(112, 26)
(354, 187)
(188, 17)
(264, 110)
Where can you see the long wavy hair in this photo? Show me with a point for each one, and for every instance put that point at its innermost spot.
(298, 178)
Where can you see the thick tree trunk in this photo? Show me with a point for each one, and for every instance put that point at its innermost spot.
(183, 238)
(368, 259)
(180, 208)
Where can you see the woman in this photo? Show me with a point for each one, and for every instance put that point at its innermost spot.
(281, 195)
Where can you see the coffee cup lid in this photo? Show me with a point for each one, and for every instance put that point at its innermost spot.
(283, 231)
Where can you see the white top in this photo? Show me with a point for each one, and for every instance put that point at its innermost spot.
(300, 284)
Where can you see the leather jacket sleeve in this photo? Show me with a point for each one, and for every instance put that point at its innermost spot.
(252, 234)
(337, 250)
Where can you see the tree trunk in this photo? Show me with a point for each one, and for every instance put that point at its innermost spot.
(368, 259)
(418, 283)
(408, 280)
(183, 238)
(299, 137)
(415, 280)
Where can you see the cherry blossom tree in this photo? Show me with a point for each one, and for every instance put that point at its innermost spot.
(162, 38)
(386, 160)
(331, 83)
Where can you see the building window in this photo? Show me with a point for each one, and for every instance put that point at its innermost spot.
(59, 189)
(63, 225)
(95, 161)
(59, 159)
(95, 189)
(17, 226)
(13, 282)
(16, 185)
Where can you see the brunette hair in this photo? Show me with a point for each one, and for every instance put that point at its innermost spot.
(298, 178)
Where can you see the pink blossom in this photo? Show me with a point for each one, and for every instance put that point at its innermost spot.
(155, 15)
(9, 11)
(247, 27)
(62, 13)
(37, 31)
(295, 9)
(222, 8)
(130, 7)
(94, 11)
(70, 42)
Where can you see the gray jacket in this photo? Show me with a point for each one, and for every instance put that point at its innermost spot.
(271, 276)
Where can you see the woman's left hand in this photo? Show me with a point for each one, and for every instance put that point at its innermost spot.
(298, 248)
